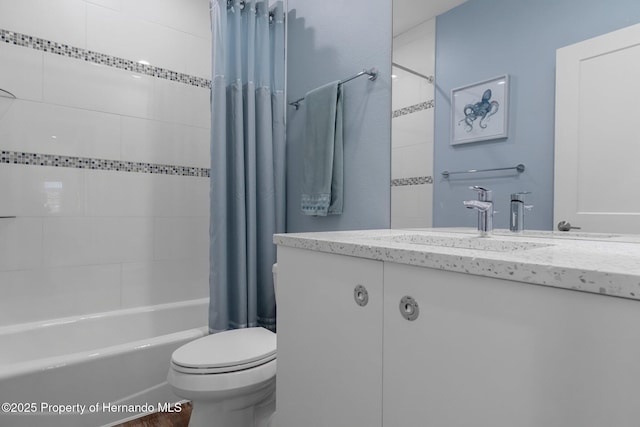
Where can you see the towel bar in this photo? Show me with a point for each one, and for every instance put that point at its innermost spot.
(520, 168)
(372, 73)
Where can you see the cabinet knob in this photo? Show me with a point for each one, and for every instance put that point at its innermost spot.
(409, 308)
(361, 295)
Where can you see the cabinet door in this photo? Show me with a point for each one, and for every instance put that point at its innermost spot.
(329, 347)
(485, 352)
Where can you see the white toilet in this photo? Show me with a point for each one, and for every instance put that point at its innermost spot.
(230, 378)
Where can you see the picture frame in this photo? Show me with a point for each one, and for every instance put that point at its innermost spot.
(480, 111)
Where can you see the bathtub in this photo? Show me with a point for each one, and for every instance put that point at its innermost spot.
(112, 366)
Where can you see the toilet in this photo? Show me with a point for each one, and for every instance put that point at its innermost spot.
(229, 377)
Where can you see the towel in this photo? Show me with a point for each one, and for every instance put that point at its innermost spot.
(322, 184)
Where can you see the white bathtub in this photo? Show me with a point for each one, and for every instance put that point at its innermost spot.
(119, 357)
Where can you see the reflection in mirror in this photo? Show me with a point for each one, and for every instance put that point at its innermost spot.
(606, 141)
(477, 40)
(413, 67)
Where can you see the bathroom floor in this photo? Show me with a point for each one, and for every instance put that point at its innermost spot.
(162, 419)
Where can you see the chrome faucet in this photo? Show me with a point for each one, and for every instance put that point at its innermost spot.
(484, 206)
(516, 217)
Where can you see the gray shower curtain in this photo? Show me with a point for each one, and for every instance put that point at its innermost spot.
(247, 161)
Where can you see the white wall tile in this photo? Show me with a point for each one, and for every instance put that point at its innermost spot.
(94, 87)
(62, 21)
(165, 281)
(415, 48)
(34, 191)
(406, 90)
(20, 243)
(127, 194)
(165, 143)
(122, 35)
(31, 295)
(111, 4)
(181, 238)
(412, 134)
(21, 71)
(181, 196)
(80, 232)
(119, 194)
(5, 105)
(411, 206)
(198, 56)
(79, 84)
(409, 90)
(189, 16)
(411, 129)
(426, 89)
(180, 103)
(88, 241)
(412, 160)
(36, 127)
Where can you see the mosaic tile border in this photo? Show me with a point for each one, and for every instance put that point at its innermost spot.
(414, 180)
(25, 40)
(414, 108)
(55, 160)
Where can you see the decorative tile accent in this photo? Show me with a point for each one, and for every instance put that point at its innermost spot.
(415, 180)
(36, 43)
(56, 160)
(414, 108)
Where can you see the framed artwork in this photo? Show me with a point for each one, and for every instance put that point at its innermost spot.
(480, 111)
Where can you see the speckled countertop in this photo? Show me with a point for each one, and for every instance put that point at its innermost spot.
(598, 263)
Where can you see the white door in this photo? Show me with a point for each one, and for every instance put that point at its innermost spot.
(597, 136)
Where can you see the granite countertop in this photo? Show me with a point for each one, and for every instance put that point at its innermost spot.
(607, 264)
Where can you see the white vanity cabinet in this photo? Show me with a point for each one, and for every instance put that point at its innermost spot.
(481, 351)
(490, 352)
(329, 346)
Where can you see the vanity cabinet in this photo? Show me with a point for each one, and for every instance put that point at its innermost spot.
(481, 351)
(329, 346)
(491, 352)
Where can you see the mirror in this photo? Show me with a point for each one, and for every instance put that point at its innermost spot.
(478, 40)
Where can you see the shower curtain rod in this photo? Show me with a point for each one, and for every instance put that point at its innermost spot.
(409, 70)
(243, 4)
(372, 73)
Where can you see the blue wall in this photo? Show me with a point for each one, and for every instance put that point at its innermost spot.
(485, 38)
(329, 41)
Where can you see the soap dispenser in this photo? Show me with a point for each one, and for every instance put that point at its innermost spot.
(516, 218)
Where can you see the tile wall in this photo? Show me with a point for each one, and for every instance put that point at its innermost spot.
(104, 160)
(412, 128)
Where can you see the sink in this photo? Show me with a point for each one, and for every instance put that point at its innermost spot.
(476, 243)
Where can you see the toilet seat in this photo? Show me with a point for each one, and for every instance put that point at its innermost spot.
(225, 352)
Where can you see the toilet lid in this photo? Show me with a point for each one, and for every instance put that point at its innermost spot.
(227, 351)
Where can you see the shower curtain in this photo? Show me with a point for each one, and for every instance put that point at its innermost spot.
(247, 161)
